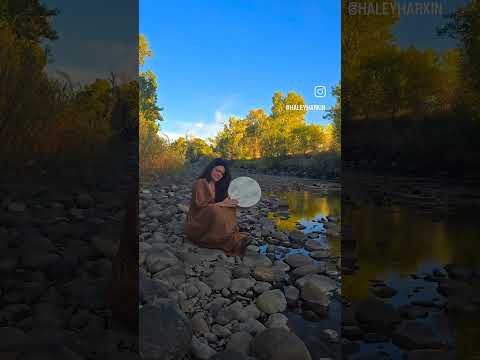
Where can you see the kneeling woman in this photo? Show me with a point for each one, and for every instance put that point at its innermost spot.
(211, 221)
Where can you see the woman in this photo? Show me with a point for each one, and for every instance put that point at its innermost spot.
(211, 221)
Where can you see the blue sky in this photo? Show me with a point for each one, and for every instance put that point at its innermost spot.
(421, 30)
(218, 58)
(92, 44)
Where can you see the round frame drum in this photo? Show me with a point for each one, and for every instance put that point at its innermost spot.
(245, 190)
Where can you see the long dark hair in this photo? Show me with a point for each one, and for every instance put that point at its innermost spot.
(221, 187)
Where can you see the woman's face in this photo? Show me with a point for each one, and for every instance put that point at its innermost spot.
(217, 173)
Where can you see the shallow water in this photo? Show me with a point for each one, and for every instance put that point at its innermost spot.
(399, 246)
(310, 210)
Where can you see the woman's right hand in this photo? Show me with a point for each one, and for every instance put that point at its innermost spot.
(228, 202)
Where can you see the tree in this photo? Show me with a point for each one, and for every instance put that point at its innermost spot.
(363, 38)
(149, 111)
(335, 114)
(464, 25)
(306, 138)
(29, 19)
(197, 148)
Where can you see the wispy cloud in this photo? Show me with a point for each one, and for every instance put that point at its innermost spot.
(203, 128)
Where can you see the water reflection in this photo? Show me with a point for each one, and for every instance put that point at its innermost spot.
(403, 242)
(309, 209)
(398, 244)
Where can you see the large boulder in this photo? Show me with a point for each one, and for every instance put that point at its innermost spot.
(272, 301)
(165, 332)
(229, 355)
(315, 296)
(279, 344)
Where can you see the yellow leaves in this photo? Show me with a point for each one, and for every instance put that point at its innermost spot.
(144, 50)
(284, 132)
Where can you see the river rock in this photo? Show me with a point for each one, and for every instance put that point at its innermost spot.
(314, 245)
(321, 281)
(241, 285)
(165, 332)
(458, 272)
(13, 339)
(411, 312)
(272, 301)
(320, 254)
(315, 296)
(215, 305)
(221, 331)
(150, 289)
(229, 355)
(279, 344)
(297, 236)
(56, 352)
(84, 201)
(219, 279)
(413, 335)
(251, 326)
(308, 269)
(277, 321)
(231, 312)
(253, 260)
(104, 246)
(269, 274)
(199, 325)
(200, 350)
(241, 271)
(282, 237)
(298, 260)
(429, 354)
(261, 286)
(240, 341)
(281, 265)
(291, 294)
(376, 315)
(158, 259)
(383, 291)
(173, 276)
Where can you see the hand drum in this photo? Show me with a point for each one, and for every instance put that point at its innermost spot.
(245, 190)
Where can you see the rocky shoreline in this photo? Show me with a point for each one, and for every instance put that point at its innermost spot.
(58, 239)
(201, 304)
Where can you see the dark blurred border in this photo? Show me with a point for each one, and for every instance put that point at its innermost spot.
(69, 179)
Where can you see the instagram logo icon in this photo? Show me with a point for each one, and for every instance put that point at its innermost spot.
(320, 91)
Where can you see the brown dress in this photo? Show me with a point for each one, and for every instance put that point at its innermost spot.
(212, 226)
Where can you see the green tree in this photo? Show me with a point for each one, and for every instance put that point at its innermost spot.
(197, 148)
(29, 19)
(363, 38)
(335, 115)
(149, 111)
(464, 25)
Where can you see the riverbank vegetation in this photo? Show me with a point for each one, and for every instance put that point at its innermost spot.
(265, 141)
(47, 119)
(410, 109)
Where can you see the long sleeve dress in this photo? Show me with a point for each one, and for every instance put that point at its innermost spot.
(212, 226)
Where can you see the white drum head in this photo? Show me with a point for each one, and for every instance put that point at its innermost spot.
(245, 190)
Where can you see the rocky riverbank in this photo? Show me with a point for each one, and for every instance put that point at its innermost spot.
(58, 236)
(201, 304)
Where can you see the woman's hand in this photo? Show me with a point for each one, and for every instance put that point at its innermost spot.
(228, 202)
